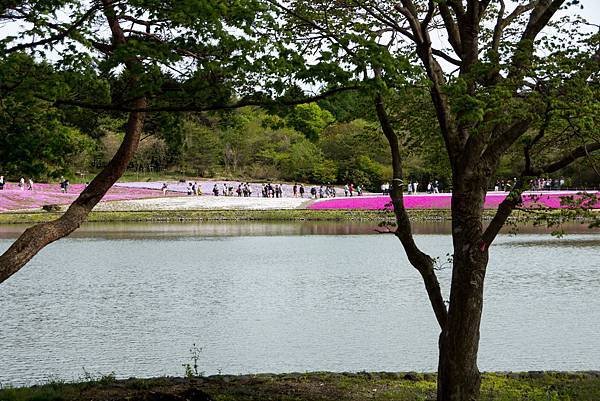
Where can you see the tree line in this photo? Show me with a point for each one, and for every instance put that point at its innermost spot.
(331, 141)
(336, 140)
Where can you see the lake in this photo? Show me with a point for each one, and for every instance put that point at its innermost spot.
(258, 297)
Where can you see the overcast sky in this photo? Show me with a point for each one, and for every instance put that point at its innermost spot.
(591, 10)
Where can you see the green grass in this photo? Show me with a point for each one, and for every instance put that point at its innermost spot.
(212, 215)
(319, 386)
(416, 215)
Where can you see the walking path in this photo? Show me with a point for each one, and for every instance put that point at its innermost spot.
(202, 202)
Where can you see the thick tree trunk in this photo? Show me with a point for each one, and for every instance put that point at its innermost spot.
(38, 236)
(459, 378)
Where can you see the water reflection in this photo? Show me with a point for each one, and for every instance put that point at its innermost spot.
(245, 228)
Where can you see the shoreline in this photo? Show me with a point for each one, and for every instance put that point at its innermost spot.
(274, 215)
(322, 386)
(200, 215)
(266, 215)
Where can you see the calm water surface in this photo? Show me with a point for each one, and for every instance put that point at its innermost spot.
(283, 297)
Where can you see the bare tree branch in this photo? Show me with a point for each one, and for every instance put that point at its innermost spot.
(420, 260)
(563, 162)
(200, 108)
(429, 15)
(436, 76)
(514, 197)
(451, 28)
(542, 12)
(512, 200)
(502, 142)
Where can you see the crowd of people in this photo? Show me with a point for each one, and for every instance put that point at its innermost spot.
(433, 187)
(27, 184)
(242, 190)
(540, 184)
(192, 189)
(537, 184)
(274, 190)
(501, 185)
(22, 184)
(269, 190)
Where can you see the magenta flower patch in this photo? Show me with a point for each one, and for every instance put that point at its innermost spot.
(553, 200)
(13, 198)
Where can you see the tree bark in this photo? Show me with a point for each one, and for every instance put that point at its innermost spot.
(458, 375)
(38, 236)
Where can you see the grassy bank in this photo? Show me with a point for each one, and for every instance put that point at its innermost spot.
(233, 215)
(533, 386)
(246, 215)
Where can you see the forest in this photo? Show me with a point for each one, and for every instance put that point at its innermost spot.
(335, 140)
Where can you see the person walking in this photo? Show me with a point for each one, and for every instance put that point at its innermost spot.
(1, 182)
(301, 190)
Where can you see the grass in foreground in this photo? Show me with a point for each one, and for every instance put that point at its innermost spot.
(314, 387)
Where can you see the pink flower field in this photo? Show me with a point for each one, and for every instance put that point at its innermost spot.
(12, 198)
(442, 201)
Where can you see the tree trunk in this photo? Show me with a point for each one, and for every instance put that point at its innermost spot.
(38, 236)
(458, 376)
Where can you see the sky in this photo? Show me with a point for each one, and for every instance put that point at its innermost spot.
(591, 11)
